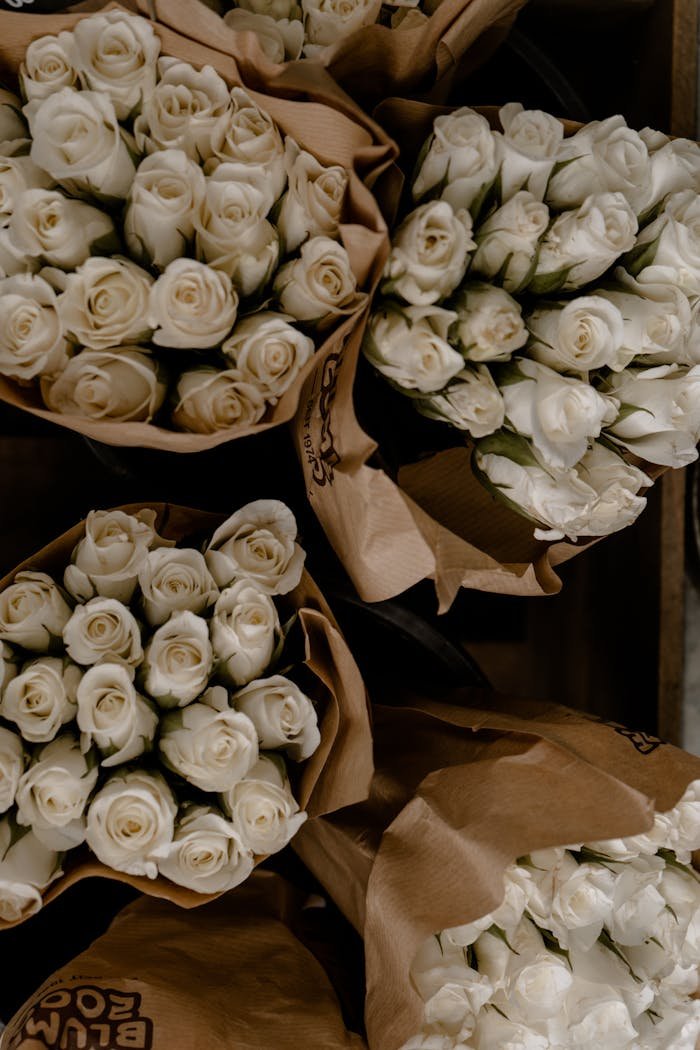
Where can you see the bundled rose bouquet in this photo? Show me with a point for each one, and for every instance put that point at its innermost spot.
(150, 701)
(541, 298)
(166, 252)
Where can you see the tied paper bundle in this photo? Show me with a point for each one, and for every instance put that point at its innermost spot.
(247, 972)
(178, 709)
(487, 921)
(174, 250)
(539, 309)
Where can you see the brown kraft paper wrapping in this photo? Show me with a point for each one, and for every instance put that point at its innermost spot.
(433, 520)
(465, 792)
(316, 113)
(338, 774)
(234, 976)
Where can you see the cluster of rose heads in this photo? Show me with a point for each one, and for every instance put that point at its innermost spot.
(594, 947)
(543, 300)
(141, 712)
(158, 236)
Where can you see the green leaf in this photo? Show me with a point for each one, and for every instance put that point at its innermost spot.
(641, 256)
(17, 832)
(109, 244)
(560, 165)
(547, 283)
(509, 444)
(629, 410)
(589, 856)
(510, 373)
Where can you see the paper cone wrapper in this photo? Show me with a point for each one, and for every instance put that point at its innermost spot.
(338, 774)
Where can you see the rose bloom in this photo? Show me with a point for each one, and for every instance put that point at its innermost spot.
(429, 254)
(123, 385)
(210, 399)
(131, 822)
(60, 231)
(319, 286)
(108, 558)
(258, 543)
(409, 346)
(269, 352)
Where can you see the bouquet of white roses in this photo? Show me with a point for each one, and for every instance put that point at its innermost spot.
(541, 299)
(169, 253)
(155, 704)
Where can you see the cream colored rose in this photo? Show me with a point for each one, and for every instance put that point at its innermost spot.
(175, 580)
(577, 336)
(113, 716)
(32, 342)
(53, 793)
(470, 402)
(49, 65)
(319, 286)
(269, 352)
(121, 385)
(76, 138)
(116, 54)
(42, 698)
(329, 20)
(211, 399)
(409, 346)
(658, 322)
(527, 149)
(508, 242)
(661, 420)
(189, 109)
(283, 716)
(12, 262)
(245, 629)
(490, 324)
(26, 868)
(252, 137)
(667, 251)
(263, 809)
(9, 665)
(131, 822)
(461, 156)
(12, 762)
(33, 612)
(616, 485)
(674, 166)
(103, 629)
(109, 557)
(207, 853)
(60, 231)
(192, 306)
(258, 543)
(18, 173)
(313, 204)
(105, 303)
(280, 39)
(429, 254)
(178, 660)
(208, 743)
(12, 126)
(166, 195)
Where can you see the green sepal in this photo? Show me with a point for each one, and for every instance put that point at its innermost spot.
(547, 283)
(641, 256)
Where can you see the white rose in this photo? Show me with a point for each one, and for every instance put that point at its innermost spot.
(470, 402)
(660, 420)
(605, 1022)
(409, 346)
(53, 793)
(210, 399)
(189, 109)
(597, 967)
(18, 173)
(206, 854)
(12, 126)
(667, 251)
(33, 612)
(637, 904)
(540, 986)
(26, 868)
(495, 1032)
(263, 809)
(582, 904)
(453, 996)
(580, 335)
(116, 54)
(685, 820)
(283, 716)
(658, 321)
(12, 262)
(208, 743)
(280, 39)
(318, 287)
(45, 224)
(581, 245)
(616, 485)
(252, 137)
(175, 580)
(103, 630)
(507, 243)
(42, 698)
(131, 822)
(32, 342)
(313, 204)
(76, 138)
(233, 235)
(165, 196)
(510, 911)
(429, 254)
(178, 660)
(109, 557)
(560, 414)
(605, 156)
(12, 761)
(245, 629)
(673, 167)
(49, 65)
(326, 21)
(8, 665)
(527, 149)
(192, 306)
(121, 385)
(461, 156)
(490, 325)
(258, 543)
(113, 716)
(105, 303)
(269, 352)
